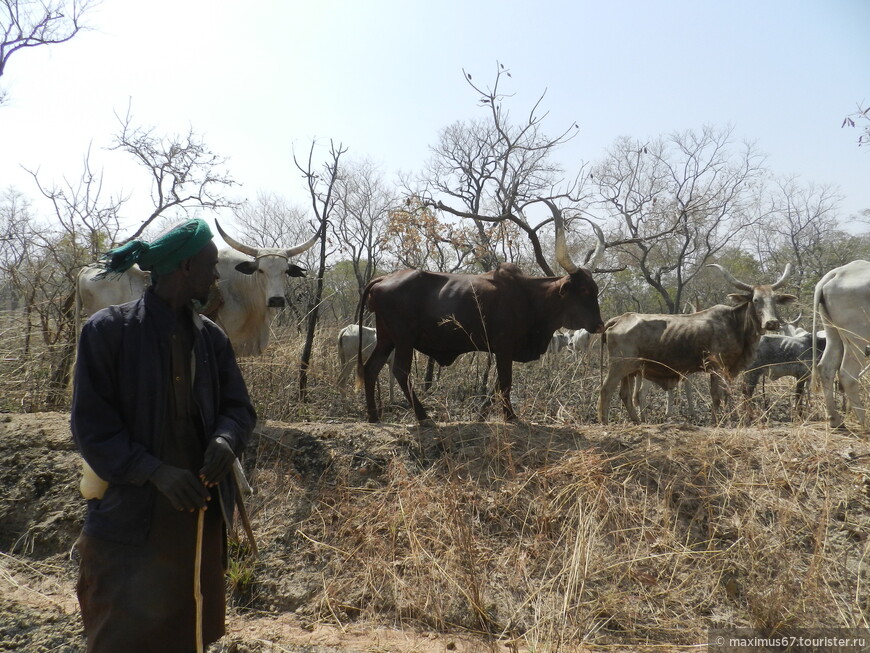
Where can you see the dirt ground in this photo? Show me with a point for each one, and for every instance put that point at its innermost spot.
(41, 514)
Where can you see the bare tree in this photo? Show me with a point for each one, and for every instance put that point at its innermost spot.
(801, 217)
(363, 205)
(15, 243)
(87, 217)
(185, 173)
(29, 24)
(47, 259)
(321, 190)
(270, 221)
(494, 169)
(682, 199)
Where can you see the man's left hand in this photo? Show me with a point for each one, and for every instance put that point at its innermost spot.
(217, 463)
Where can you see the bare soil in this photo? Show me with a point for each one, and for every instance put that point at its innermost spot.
(486, 537)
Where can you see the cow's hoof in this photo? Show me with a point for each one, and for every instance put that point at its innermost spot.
(427, 423)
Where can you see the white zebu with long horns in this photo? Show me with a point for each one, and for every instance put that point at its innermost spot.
(251, 290)
(842, 297)
(720, 340)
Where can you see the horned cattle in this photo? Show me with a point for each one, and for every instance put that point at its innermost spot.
(503, 312)
(842, 298)
(250, 290)
(663, 348)
(243, 303)
(779, 356)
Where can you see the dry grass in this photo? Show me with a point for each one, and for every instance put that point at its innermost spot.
(550, 536)
(546, 534)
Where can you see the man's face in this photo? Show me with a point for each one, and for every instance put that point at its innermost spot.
(202, 272)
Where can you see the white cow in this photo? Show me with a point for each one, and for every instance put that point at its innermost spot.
(842, 297)
(245, 300)
(251, 290)
(92, 293)
(579, 341)
(558, 342)
(348, 348)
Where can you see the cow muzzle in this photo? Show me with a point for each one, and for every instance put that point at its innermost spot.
(276, 302)
(772, 325)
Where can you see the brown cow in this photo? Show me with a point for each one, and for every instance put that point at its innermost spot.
(663, 348)
(504, 312)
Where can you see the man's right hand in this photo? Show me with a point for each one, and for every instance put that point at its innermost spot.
(184, 490)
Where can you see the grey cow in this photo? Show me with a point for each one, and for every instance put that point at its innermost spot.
(778, 356)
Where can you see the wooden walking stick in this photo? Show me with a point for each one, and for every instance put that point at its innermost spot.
(197, 581)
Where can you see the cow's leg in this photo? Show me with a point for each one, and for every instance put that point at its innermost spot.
(344, 374)
(719, 393)
(672, 402)
(504, 366)
(370, 372)
(619, 369)
(799, 394)
(828, 365)
(850, 371)
(392, 380)
(639, 396)
(631, 387)
(689, 391)
(403, 358)
(750, 382)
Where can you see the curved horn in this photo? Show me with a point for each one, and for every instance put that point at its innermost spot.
(598, 254)
(730, 277)
(293, 251)
(244, 249)
(796, 320)
(562, 256)
(784, 276)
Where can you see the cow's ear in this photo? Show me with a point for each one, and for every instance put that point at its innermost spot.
(785, 299)
(739, 298)
(295, 271)
(247, 267)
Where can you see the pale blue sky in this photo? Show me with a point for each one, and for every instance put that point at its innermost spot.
(383, 77)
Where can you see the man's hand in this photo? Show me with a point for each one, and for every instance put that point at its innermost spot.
(217, 463)
(181, 487)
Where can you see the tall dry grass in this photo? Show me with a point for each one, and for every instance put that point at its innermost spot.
(545, 537)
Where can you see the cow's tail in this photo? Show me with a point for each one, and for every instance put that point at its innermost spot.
(818, 307)
(362, 307)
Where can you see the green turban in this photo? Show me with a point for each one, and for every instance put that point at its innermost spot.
(161, 256)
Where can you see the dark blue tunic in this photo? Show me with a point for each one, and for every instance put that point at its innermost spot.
(140, 400)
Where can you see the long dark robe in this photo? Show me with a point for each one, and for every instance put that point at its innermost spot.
(140, 599)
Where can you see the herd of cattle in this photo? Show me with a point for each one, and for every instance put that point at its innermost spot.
(519, 318)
